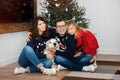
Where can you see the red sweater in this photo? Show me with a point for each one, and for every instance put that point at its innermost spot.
(87, 41)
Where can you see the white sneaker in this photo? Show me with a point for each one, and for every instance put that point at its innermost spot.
(95, 65)
(90, 68)
(51, 71)
(19, 70)
(59, 68)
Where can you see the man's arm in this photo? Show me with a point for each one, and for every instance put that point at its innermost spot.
(28, 37)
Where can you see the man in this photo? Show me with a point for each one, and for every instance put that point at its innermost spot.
(65, 56)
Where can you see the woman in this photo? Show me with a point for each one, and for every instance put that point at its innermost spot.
(32, 58)
(86, 44)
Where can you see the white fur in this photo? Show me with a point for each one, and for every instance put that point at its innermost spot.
(52, 43)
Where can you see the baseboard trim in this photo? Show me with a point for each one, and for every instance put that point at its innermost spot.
(108, 63)
(8, 61)
(108, 57)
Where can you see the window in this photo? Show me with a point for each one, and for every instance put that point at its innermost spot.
(16, 15)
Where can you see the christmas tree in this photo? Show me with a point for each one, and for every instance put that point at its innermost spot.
(66, 9)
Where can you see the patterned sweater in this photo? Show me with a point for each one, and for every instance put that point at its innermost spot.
(38, 46)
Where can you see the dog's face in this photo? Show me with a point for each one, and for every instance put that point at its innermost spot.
(52, 43)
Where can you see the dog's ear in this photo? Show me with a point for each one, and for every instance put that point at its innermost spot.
(47, 44)
(57, 45)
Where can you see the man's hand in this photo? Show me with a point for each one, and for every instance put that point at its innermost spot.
(78, 54)
(28, 37)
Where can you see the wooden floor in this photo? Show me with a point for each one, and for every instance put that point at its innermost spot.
(6, 72)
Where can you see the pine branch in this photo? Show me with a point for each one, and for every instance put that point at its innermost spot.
(67, 9)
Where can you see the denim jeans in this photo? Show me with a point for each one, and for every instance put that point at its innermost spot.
(28, 59)
(83, 59)
(69, 64)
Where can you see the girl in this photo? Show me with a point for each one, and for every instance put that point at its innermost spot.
(32, 58)
(87, 44)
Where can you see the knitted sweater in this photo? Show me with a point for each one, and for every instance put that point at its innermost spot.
(87, 42)
(67, 44)
(38, 46)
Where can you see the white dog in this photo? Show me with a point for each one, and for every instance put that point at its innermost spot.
(53, 43)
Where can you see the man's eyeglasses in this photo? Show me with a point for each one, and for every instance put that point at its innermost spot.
(60, 25)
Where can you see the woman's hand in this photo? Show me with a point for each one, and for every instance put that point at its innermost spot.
(49, 56)
(51, 53)
(53, 50)
(28, 37)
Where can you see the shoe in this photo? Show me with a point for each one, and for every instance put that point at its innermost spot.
(95, 65)
(51, 71)
(89, 68)
(59, 68)
(54, 66)
(19, 70)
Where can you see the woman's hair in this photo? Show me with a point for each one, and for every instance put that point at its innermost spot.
(34, 30)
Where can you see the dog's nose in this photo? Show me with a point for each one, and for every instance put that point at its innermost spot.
(54, 44)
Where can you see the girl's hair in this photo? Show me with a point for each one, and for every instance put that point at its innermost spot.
(34, 30)
(72, 23)
(75, 25)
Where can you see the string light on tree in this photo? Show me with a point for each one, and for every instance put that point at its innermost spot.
(57, 5)
(55, 0)
(46, 11)
(66, 9)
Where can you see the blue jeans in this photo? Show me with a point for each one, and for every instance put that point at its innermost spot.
(28, 59)
(83, 59)
(69, 64)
